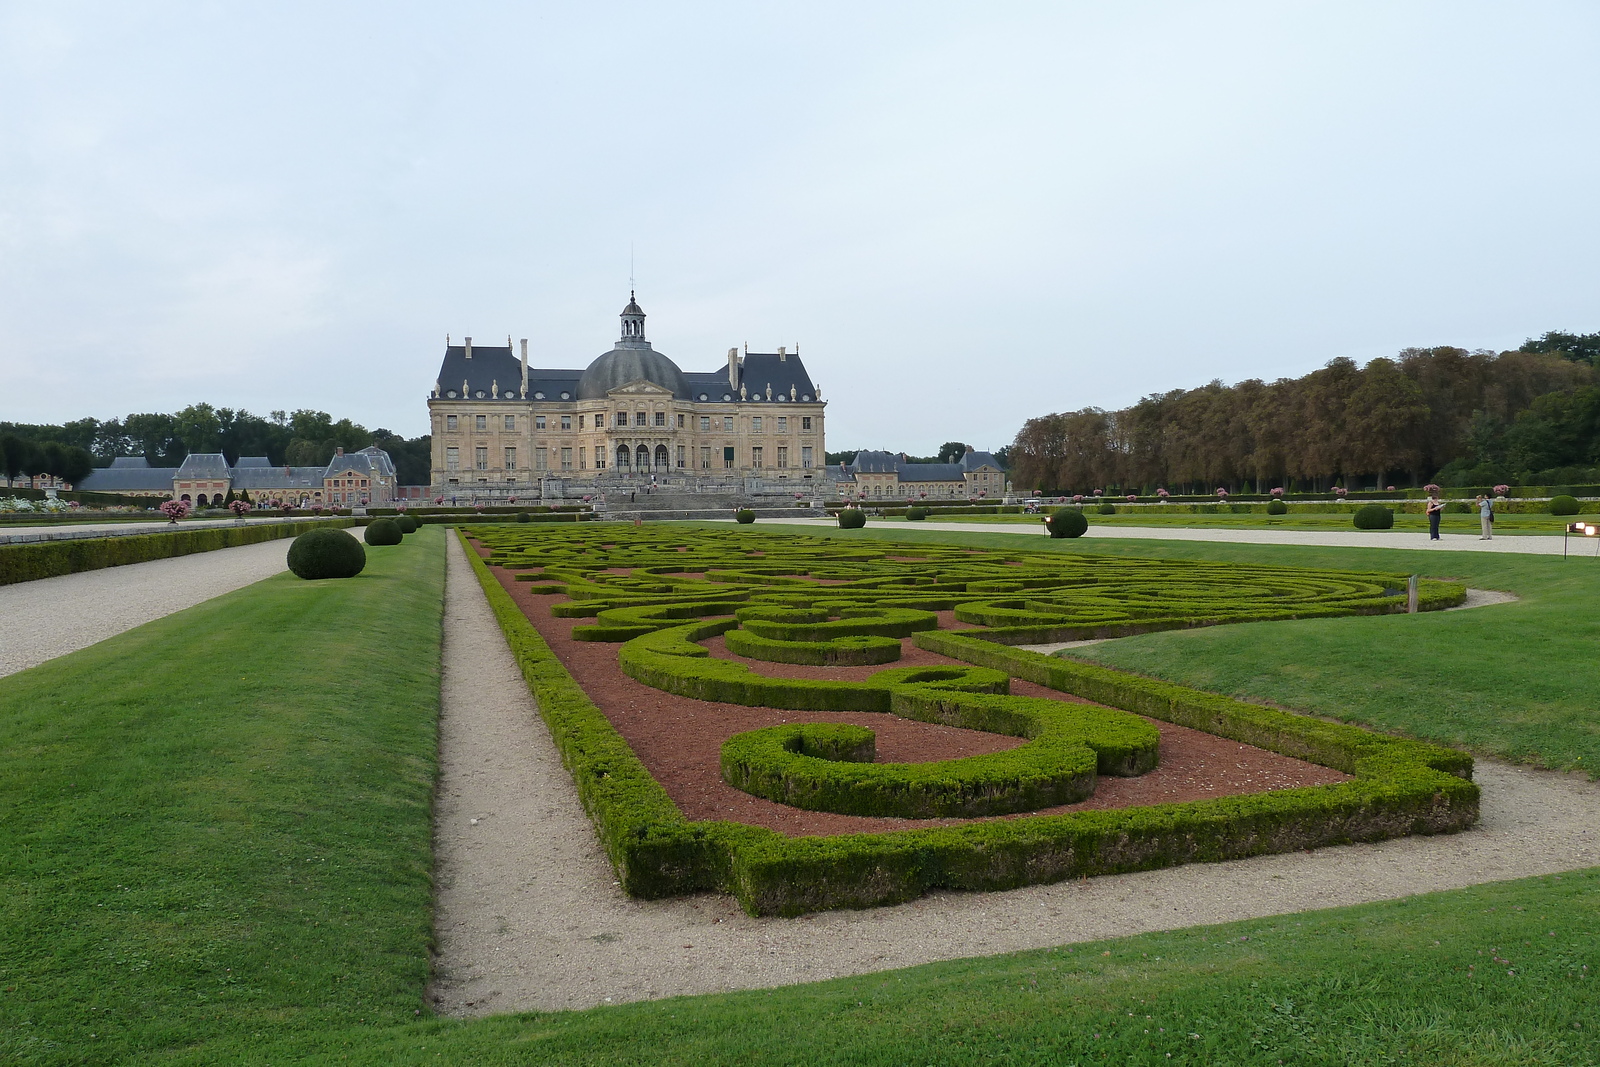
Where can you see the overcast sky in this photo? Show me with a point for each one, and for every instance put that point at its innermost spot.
(964, 215)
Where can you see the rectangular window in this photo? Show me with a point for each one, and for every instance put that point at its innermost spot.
(805, 456)
(641, 418)
(510, 422)
(452, 422)
(600, 420)
(481, 421)
(727, 456)
(755, 456)
(783, 456)
(581, 458)
(599, 458)
(622, 418)
(805, 424)
(661, 418)
(783, 424)
(539, 460)
(705, 457)
(511, 459)
(480, 458)
(682, 453)
(538, 422)
(755, 424)
(727, 424)
(680, 426)
(580, 422)
(452, 457)
(566, 422)
(705, 422)
(566, 459)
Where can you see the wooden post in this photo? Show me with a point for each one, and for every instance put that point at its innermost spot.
(1411, 594)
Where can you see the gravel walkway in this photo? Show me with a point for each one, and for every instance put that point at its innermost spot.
(1523, 544)
(53, 616)
(530, 918)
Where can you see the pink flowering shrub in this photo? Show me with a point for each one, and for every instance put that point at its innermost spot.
(1077, 498)
(1502, 490)
(1162, 493)
(240, 508)
(1388, 489)
(1132, 497)
(1098, 492)
(477, 507)
(1340, 490)
(1222, 492)
(1278, 491)
(1430, 488)
(174, 509)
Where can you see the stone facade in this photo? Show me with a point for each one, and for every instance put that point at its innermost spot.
(501, 428)
(364, 477)
(886, 476)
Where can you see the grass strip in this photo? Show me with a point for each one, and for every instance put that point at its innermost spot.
(217, 825)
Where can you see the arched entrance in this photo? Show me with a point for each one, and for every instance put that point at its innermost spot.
(642, 455)
(663, 459)
(622, 456)
(184, 498)
(201, 500)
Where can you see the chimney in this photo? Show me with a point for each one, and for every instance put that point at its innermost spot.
(467, 344)
(524, 368)
(782, 354)
(337, 452)
(969, 448)
(733, 368)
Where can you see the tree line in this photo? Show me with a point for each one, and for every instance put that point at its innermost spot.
(1530, 416)
(302, 438)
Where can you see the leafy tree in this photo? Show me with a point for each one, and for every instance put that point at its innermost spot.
(835, 458)
(951, 451)
(199, 428)
(1578, 347)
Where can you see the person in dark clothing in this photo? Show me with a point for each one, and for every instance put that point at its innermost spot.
(1435, 509)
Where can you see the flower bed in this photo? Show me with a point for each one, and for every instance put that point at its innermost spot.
(1395, 787)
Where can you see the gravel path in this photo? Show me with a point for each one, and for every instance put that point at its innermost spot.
(53, 616)
(1526, 544)
(530, 918)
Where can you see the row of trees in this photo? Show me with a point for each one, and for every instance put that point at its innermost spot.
(1468, 418)
(20, 456)
(301, 438)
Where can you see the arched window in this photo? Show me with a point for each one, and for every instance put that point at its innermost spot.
(622, 455)
(184, 498)
(201, 500)
(642, 454)
(663, 458)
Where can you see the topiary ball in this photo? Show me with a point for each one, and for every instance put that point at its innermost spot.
(1374, 517)
(744, 516)
(852, 519)
(1107, 509)
(383, 532)
(1068, 522)
(916, 514)
(407, 524)
(326, 553)
(1563, 505)
(523, 516)
(1277, 507)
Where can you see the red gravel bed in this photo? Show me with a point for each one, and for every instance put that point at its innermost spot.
(680, 739)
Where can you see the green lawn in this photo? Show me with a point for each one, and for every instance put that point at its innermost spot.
(1317, 521)
(215, 848)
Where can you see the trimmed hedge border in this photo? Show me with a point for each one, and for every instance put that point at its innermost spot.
(49, 559)
(1400, 787)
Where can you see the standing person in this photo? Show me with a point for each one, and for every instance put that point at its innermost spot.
(1486, 518)
(1435, 509)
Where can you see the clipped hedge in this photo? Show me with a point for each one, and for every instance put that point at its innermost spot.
(49, 559)
(1068, 744)
(1563, 505)
(1068, 522)
(852, 519)
(849, 651)
(1374, 517)
(383, 532)
(744, 516)
(1399, 787)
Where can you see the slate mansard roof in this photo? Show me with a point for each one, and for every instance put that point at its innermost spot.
(872, 462)
(133, 474)
(495, 372)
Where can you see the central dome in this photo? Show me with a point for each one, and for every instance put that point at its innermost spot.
(621, 366)
(632, 360)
